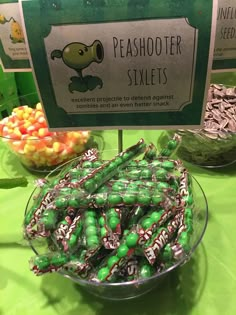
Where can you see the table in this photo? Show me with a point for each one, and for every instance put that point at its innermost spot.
(205, 285)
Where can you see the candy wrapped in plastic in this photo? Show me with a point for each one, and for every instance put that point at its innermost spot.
(134, 243)
(114, 220)
(111, 266)
(137, 268)
(48, 190)
(171, 146)
(214, 145)
(42, 200)
(110, 227)
(138, 194)
(150, 153)
(65, 187)
(108, 169)
(129, 187)
(49, 262)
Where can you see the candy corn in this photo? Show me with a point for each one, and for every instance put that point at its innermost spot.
(27, 134)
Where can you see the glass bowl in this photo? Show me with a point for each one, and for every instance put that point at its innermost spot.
(133, 289)
(214, 145)
(203, 151)
(25, 133)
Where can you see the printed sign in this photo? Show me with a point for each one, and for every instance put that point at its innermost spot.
(225, 42)
(116, 65)
(120, 71)
(13, 51)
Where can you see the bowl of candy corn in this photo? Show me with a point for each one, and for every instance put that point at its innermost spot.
(116, 227)
(26, 133)
(214, 145)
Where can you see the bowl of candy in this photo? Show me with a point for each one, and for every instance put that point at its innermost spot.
(116, 227)
(26, 134)
(214, 145)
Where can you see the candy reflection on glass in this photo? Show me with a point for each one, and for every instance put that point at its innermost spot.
(121, 220)
(27, 134)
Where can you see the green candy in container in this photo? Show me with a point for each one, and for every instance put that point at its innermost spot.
(26, 133)
(116, 227)
(214, 145)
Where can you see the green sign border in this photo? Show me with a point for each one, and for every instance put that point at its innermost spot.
(224, 65)
(39, 16)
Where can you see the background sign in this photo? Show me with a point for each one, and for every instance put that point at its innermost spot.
(128, 64)
(225, 43)
(13, 51)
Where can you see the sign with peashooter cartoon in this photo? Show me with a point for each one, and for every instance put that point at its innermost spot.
(116, 64)
(79, 56)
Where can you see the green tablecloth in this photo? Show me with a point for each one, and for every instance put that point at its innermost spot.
(205, 285)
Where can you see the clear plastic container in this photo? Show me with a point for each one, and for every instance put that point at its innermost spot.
(214, 145)
(45, 154)
(202, 151)
(132, 289)
(24, 131)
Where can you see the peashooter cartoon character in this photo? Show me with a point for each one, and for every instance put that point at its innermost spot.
(79, 56)
(17, 35)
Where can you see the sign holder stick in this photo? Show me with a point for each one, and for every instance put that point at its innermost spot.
(120, 140)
